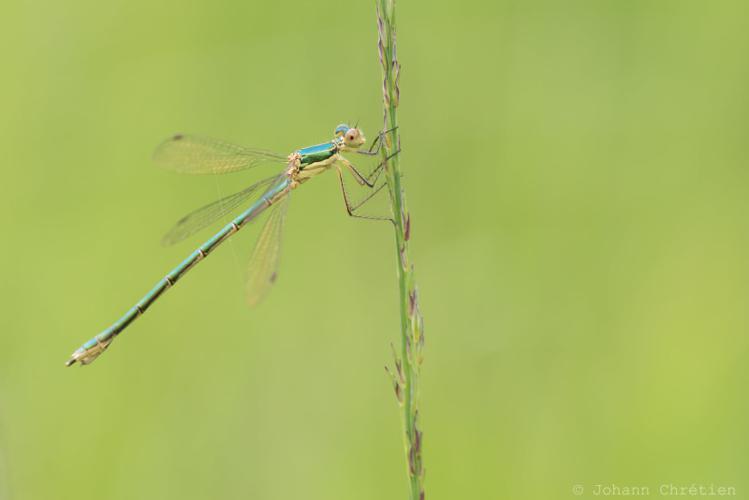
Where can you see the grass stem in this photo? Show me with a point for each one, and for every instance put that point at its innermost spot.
(408, 363)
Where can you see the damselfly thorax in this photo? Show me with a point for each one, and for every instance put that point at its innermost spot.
(308, 162)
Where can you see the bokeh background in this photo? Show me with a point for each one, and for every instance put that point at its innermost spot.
(577, 176)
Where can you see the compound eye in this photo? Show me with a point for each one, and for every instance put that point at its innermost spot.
(351, 135)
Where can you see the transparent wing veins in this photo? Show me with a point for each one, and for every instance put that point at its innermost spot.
(204, 216)
(262, 269)
(192, 154)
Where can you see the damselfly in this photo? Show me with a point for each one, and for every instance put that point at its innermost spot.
(199, 155)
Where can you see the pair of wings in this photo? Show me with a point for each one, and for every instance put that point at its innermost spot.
(189, 154)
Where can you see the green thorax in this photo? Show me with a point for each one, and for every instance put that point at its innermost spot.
(318, 152)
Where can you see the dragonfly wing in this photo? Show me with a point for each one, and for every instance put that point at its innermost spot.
(204, 216)
(262, 269)
(191, 154)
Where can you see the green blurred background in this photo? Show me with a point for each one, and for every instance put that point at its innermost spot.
(578, 183)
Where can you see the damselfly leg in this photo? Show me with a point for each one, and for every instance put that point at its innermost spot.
(369, 181)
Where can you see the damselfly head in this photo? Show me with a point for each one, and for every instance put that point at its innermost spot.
(354, 138)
